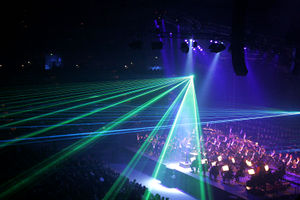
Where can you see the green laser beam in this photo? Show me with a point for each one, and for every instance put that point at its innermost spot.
(199, 146)
(119, 90)
(74, 107)
(55, 98)
(118, 184)
(72, 149)
(67, 90)
(164, 150)
(83, 115)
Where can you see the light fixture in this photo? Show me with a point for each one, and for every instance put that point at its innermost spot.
(251, 171)
(248, 163)
(216, 46)
(267, 168)
(225, 168)
(219, 158)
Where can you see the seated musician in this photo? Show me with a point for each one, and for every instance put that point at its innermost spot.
(195, 165)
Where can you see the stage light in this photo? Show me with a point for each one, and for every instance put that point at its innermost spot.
(267, 168)
(214, 163)
(225, 168)
(251, 172)
(191, 76)
(216, 47)
(203, 161)
(248, 163)
(233, 160)
(219, 158)
(248, 188)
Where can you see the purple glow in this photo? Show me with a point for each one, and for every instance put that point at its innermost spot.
(194, 49)
(216, 42)
(171, 34)
(198, 47)
(245, 48)
(201, 49)
(210, 41)
(163, 25)
(186, 40)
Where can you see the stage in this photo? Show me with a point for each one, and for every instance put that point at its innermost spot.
(177, 178)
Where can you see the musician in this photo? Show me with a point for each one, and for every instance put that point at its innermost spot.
(195, 165)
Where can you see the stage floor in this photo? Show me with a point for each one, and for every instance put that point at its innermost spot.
(236, 190)
(154, 185)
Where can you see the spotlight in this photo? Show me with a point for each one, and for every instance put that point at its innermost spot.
(216, 46)
(214, 163)
(184, 47)
(267, 168)
(233, 160)
(219, 158)
(248, 188)
(248, 163)
(251, 171)
(225, 168)
(203, 161)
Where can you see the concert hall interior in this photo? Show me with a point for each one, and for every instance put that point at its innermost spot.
(150, 100)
